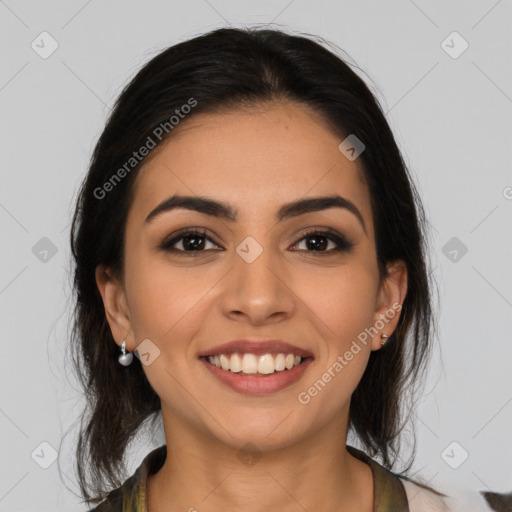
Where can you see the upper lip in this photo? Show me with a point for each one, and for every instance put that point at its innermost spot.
(257, 347)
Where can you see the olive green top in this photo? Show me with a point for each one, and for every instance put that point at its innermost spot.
(389, 492)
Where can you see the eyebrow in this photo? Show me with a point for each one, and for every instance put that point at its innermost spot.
(214, 208)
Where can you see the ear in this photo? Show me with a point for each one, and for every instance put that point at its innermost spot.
(389, 303)
(116, 309)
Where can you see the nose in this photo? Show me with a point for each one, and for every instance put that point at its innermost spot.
(259, 292)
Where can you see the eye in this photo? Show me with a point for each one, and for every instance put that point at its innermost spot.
(317, 238)
(192, 240)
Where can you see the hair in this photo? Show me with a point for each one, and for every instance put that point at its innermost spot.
(229, 69)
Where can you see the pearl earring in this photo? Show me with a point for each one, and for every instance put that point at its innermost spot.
(125, 358)
(384, 338)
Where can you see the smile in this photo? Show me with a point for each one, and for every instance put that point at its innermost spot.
(251, 374)
(251, 364)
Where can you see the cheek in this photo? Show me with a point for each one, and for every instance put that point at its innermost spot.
(344, 299)
(342, 307)
(164, 298)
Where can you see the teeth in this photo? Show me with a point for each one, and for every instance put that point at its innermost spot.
(251, 364)
(224, 362)
(266, 364)
(235, 363)
(280, 362)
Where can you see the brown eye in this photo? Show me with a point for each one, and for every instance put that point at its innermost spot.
(193, 240)
(317, 241)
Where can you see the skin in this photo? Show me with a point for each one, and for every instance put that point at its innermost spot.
(256, 160)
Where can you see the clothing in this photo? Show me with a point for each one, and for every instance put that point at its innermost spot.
(391, 493)
(458, 500)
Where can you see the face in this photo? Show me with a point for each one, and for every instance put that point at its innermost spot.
(258, 273)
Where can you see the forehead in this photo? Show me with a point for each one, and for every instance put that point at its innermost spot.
(252, 158)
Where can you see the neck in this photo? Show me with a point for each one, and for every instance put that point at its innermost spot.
(201, 473)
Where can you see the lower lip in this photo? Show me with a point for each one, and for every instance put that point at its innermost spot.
(254, 385)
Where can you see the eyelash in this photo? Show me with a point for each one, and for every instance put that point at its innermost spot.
(342, 244)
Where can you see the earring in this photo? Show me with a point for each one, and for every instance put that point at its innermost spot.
(384, 338)
(125, 358)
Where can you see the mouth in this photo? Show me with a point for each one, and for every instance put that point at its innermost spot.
(249, 374)
(254, 365)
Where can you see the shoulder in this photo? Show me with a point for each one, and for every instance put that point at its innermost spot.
(131, 494)
(113, 502)
(422, 499)
(124, 497)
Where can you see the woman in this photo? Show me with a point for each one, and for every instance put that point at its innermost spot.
(249, 230)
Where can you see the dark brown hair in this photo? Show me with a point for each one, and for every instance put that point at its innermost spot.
(224, 69)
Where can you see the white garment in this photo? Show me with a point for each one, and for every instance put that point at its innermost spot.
(457, 500)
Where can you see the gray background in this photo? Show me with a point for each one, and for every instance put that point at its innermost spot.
(451, 115)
